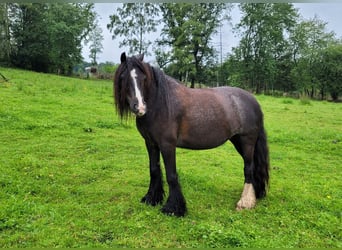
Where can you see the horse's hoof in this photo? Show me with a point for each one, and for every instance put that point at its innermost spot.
(174, 209)
(149, 200)
(178, 212)
(245, 204)
(248, 199)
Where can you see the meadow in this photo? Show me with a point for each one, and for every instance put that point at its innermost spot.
(72, 175)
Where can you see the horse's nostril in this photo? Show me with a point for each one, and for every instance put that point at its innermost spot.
(135, 106)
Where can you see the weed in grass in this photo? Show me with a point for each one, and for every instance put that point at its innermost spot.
(287, 101)
(304, 101)
(20, 86)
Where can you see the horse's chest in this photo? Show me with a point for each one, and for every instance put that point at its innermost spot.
(144, 129)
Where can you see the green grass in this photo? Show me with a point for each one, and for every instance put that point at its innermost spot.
(72, 175)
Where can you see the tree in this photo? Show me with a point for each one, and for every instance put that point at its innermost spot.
(30, 36)
(69, 25)
(47, 37)
(188, 29)
(309, 39)
(329, 72)
(95, 39)
(264, 28)
(233, 70)
(133, 21)
(5, 46)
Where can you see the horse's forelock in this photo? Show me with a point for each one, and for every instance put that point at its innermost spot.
(146, 69)
(119, 92)
(143, 67)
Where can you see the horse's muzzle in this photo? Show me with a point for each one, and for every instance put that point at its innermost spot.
(139, 110)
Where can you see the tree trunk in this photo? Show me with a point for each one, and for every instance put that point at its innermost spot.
(6, 35)
(322, 93)
(192, 83)
(312, 92)
(334, 96)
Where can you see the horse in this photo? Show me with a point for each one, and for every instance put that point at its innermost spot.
(168, 115)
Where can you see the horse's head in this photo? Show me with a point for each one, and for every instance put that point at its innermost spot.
(130, 85)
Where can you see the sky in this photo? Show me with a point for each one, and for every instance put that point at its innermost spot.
(328, 12)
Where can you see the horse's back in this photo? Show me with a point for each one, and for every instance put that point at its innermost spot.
(234, 93)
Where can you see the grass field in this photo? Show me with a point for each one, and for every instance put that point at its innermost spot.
(72, 175)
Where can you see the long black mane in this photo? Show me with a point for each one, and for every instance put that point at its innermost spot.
(157, 90)
(164, 91)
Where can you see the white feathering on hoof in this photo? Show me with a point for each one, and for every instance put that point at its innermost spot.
(248, 199)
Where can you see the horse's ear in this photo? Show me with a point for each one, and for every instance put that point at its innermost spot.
(123, 57)
(140, 57)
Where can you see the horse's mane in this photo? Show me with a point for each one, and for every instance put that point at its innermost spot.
(164, 91)
(157, 89)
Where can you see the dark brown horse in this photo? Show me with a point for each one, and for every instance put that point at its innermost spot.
(170, 115)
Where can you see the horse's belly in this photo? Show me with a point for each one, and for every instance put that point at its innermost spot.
(198, 137)
(191, 144)
(206, 121)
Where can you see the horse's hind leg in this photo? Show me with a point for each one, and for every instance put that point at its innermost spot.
(245, 146)
(155, 193)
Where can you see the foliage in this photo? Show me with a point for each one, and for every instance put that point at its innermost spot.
(329, 72)
(95, 38)
(279, 51)
(188, 29)
(132, 22)
(309, 39)
(263, 46)
(29, 36)
(5, 44)
(72, 175)
(47, 37)
(71, 23)
(104, 70)
(107, 70)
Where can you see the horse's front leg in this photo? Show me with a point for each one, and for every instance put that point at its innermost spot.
(155, 193)
(175, 204)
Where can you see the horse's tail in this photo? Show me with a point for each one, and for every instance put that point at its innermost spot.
(261, 165)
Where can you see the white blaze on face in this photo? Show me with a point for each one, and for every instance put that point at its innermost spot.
(141, 103)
